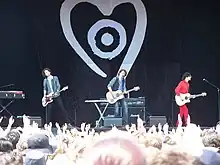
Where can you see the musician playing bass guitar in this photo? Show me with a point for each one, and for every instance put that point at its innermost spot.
(183, 88)
(51, 86)
(119, 83)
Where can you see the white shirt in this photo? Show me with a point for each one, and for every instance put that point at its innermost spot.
(50, 78)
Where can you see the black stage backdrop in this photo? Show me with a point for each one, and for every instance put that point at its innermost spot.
(181, 36)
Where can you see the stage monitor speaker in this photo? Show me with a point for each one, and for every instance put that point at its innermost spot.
(112, 121)
(36, 119)
(155, 120)
(19, 121)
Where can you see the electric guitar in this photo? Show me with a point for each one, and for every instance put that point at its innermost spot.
(118, 95)
(49, 98)
(185, 98)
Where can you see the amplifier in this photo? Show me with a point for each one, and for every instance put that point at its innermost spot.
(155, 120)
(134, 112)
(112, 121)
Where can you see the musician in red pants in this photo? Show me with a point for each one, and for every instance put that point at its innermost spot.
(183, 88)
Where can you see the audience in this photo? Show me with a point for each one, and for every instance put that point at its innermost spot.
(31, 145)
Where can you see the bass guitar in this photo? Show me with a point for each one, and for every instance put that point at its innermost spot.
(185, 98)
(49, 98)
(114, 96)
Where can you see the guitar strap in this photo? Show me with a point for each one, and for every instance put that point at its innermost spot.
(121, 84)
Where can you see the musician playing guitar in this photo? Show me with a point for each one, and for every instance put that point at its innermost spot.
(183, 88)
(51, 85)
(119, 83)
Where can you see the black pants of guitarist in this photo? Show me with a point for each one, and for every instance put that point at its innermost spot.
(58, 102)
(124, 106)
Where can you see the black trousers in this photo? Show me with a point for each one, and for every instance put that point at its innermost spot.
(124, 105)
(58, 102)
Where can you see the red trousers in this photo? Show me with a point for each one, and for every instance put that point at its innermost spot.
(183, 114)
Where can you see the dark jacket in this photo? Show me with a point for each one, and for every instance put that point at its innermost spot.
(114, 84)
(55, 85)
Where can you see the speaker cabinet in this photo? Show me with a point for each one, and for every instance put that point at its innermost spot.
(134, 112)
(155, 120)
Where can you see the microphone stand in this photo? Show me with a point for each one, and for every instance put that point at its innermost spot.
(218, 96)
(4, 86)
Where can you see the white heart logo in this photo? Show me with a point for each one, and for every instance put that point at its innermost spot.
(106, 9)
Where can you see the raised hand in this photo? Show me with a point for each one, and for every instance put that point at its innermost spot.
(166, 129)
(49, 127)
(88, 126)
(64, 128)
(150, 130)
(83, 127)
(57, 125)
(154, 129)
(133, 128)
(92, 132)
(217, 129)
(140, 122)
(58, 128)
(127, 128)
(1, 119)
(26, 121)
(173, 131)
(35, 125)
(11, 121)
(114, 128)
(159, 127)
(74, 131)
(46, 127)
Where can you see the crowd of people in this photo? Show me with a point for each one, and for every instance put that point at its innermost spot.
(31, 145)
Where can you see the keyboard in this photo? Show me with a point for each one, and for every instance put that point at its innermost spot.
(131, 102)
(12, 95)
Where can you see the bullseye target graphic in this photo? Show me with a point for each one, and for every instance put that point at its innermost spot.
(107, 39)
(106, 44)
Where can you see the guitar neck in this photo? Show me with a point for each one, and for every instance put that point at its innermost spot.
(59, 91)
(129, 91)
(198, 95)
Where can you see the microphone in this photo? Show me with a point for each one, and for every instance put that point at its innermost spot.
(204, 79)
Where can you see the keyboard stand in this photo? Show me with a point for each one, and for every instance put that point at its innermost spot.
(4, 108)
(101, 112)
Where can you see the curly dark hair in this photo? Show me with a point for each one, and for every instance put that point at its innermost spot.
(212, 140)
(48, 69)
(13, 136)
(5, 145)
(185, 75)
(123, 70)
